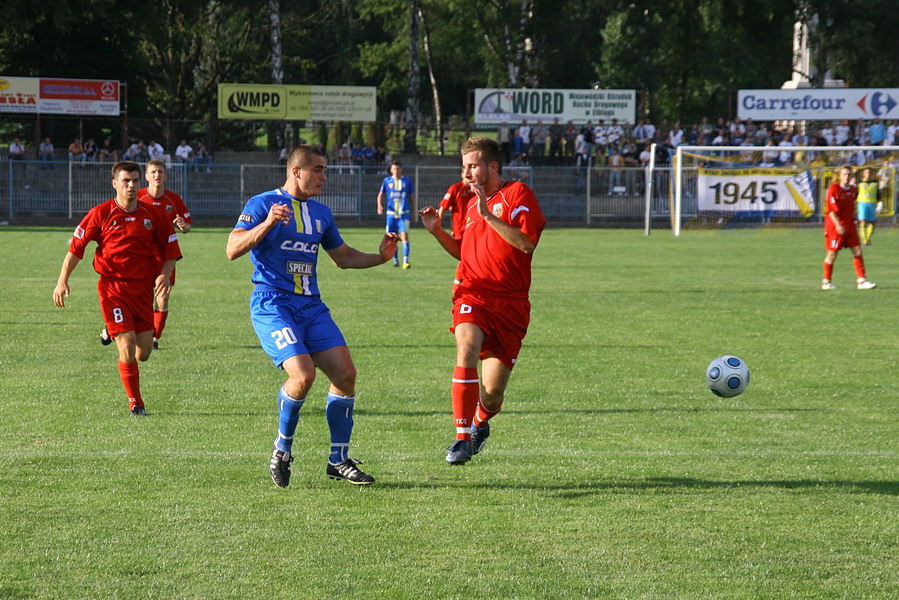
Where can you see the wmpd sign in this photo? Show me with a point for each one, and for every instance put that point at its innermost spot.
(818, 104)
(297, 102)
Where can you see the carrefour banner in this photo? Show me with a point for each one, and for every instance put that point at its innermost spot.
(818, 104)
(494, 106)
(297, 102)
(59, 96)
(756, 190)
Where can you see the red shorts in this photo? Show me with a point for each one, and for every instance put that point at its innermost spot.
(126, 304)
(504, 320)
(834, 241)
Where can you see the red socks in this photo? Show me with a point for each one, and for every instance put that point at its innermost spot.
(482, 415)
(828, 270)
(859, 263)
(159, 318)
(465, 392)
(130, 375)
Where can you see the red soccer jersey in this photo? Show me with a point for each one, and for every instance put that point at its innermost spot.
(457, 199)
(170, 202)
(129, 244)
(488, 262)
(841, 201)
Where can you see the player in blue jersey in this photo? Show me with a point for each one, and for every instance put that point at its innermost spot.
(283, 230)
(399, 193)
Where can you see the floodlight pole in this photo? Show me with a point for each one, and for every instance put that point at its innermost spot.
(678, 196)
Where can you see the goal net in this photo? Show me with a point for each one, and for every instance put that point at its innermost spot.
(713, 187)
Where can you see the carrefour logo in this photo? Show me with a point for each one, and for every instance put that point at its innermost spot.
(877, 103)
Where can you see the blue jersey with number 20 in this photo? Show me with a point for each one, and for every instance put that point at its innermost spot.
(286, 257)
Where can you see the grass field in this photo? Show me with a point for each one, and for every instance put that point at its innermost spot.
(612, 473)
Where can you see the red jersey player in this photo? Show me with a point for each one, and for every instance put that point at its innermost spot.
(131, 237)
(491, 310)
(457, 198)
(840, 231)
(173, 205)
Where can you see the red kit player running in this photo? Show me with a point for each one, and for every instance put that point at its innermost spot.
(173, 206)
(840, 231)
(131, 238)
(491, 311)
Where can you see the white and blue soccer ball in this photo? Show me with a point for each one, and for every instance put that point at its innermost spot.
(727, 376)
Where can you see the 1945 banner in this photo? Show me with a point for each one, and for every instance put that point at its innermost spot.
(297, 102)
(756, 190)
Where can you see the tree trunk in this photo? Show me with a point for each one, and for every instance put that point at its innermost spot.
(274, 7)
(438, 110)
(412, 110)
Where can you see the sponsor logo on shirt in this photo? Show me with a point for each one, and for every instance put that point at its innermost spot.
(79, 232)
(299, 246)
(299, 268)
(245, 218)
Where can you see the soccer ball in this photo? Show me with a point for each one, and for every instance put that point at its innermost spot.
(727, 376)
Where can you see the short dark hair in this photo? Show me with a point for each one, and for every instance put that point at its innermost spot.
(397, 163)
(125, 165)
(301, 155)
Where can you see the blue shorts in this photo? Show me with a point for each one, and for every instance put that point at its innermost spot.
(290, 324)
(397, 224)
(867, 211)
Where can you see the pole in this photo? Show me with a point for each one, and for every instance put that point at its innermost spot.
(650, 175)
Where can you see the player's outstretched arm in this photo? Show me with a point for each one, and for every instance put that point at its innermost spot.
(347, 257)
(61, 291)
(430, 220)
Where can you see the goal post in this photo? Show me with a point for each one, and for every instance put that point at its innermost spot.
(713, 187)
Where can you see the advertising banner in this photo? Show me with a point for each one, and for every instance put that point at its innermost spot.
(494, 106)
(818, 104)
(18, 94)
(297, 102)
(93, 97)
(756, 190)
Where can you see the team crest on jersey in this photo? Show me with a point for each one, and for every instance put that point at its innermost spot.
(497, 210)
(79, 232)
(148, 224)
(168, 208)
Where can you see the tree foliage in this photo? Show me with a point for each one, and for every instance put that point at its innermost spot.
(687, 58)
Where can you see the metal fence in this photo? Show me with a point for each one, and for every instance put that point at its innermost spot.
(67, 190)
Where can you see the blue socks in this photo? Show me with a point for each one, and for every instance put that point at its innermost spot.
(289, 417)
(405, 251)
(339, 412)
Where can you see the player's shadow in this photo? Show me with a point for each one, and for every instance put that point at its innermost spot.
(659, 485)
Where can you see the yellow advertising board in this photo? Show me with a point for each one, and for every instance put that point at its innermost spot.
(296, 102)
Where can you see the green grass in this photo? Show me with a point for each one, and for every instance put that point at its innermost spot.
(612, 472)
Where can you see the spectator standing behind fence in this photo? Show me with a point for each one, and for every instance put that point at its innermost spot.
(16, 150)
(45, 153)
(90, 150)
(108, 153)
(504, 138)
(155, 150)
(571, 134)
(184, 153)
(524, 132)
(538, 142)
(204, 157)
(556, 139)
